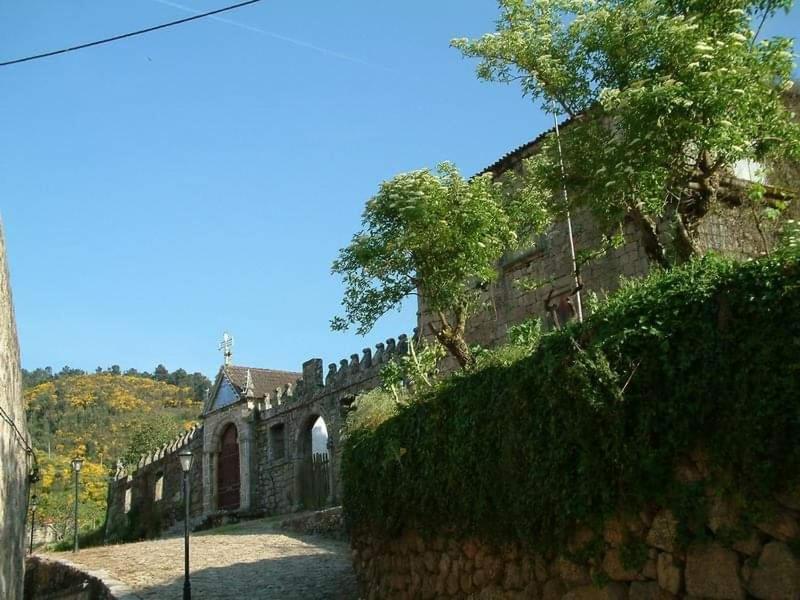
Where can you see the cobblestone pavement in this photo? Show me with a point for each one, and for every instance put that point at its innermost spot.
(249, 560)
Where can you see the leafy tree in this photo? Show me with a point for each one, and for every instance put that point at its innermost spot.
(436, 235)
(161, 373)
(665, 96)
(148, 435)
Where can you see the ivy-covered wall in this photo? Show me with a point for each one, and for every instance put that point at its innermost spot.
(600, 419)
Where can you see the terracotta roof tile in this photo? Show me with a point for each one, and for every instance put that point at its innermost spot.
(264, 380)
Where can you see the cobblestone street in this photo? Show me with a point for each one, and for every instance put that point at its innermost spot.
(249, 560)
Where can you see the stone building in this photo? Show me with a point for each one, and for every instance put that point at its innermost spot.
(15, 458)
(540, 281)
(254, 449)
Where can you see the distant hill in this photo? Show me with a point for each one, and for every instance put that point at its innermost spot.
(102, 417)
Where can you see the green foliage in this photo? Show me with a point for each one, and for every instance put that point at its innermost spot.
(417, 371)
(633, 555)
(198, 382)
(148, 435)
(527, 334)
(592, 421)
(370, 410)
(436, 235)
(663, 94)
(101, 417)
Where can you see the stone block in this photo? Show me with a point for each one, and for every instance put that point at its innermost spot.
(669, 573)
(776, 575)
(553, 589)
(648, 590)
(713, 572)
(782, 526)
(612, 591)
(512, 580)
(664, 531)
(749, 546)
(571, 573)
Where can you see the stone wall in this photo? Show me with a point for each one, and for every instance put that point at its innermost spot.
(15, 462)
(269, 480)
(45, 580)
(136, 511)
(730, 554)
(531, 280)
(634, 557)
(48, 579)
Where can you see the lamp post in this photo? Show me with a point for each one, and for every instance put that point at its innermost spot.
(77, 463)
(186, 465)
(33, 520)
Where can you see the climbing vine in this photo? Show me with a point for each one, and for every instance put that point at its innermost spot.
(593, 419)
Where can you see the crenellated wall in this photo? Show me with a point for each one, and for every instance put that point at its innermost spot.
(269, 468)
(135, 510)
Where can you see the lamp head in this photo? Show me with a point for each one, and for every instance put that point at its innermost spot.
(77, 463)
(34, 502)
(186, 460)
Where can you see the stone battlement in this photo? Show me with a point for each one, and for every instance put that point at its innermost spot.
(123, 471)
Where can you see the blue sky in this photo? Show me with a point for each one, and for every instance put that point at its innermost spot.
(163, 189)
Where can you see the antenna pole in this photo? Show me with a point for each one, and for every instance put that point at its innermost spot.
(578, 303)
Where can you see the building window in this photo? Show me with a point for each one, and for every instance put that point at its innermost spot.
(128, 497)
(158, 492)
(277, 444)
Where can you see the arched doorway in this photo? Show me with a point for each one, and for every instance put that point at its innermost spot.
(228, 484)
(314, 481)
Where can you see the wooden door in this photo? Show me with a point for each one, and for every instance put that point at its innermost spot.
(228, 471)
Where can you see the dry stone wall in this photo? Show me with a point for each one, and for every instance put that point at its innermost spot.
(646, 556)
(761, 566)
(15, 462)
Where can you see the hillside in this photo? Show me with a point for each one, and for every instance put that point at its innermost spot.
(102, 417)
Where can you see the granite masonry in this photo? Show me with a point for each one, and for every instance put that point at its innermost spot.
(540, 281)
(253, 449)
(642, 556)
(15, 460)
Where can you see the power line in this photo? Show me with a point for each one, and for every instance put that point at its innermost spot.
(127, 35)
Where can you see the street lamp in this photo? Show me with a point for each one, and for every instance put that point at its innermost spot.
(77, 463)
(186, 466)
(33, 520)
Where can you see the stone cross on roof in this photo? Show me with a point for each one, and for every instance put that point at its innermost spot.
(226, 346)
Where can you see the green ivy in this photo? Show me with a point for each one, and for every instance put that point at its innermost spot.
(593, 420)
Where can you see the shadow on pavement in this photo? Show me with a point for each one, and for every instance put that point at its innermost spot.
(317, 577)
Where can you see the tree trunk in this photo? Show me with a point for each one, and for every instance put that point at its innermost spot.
(452, 337)
(684, 244)
(457, 346)
(652, 245)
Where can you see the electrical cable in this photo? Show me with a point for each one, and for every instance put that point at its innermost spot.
(127, 35)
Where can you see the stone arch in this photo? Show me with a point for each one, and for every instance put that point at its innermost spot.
(228, 473)
(213, 446)
(313, 464)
